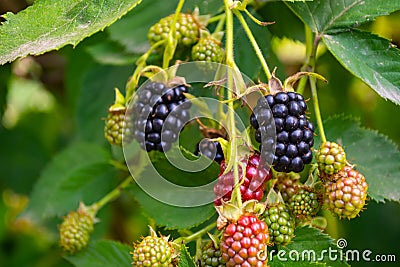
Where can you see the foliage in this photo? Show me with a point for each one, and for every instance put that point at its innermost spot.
(54, 149)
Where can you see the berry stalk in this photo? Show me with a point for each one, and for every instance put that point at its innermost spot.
(115, 193)
(231, 115)
(309, 65)
(309, 48)
(140, 64)
(171, 41)
(196, 235)
(253, 43)
(316, 108)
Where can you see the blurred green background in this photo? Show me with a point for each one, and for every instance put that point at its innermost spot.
(60, 97)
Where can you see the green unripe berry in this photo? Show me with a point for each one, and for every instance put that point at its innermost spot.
(331, 159)
(280, 223)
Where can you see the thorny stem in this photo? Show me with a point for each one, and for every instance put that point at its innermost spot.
(231, 114)
(309, 65)
(171, 41)
(313, 85)
(221, 23)
(305, 67)
(253, 43)
(198, 234)
(115, 193)
(118, 165)
(141, 63)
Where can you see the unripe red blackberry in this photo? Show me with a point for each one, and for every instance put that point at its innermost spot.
(346, 196)
(211, 256)
(153, 251)
(75, 230)
(281, 223)
(253, 184)
(287, 184)
(294, 133)
(187, 29)
(159, 113)
(244, 243)
(331, 158)
(118, 127)
(208, 49)
(305, 203)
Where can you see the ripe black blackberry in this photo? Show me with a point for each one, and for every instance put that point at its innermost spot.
(210, 149)
(159, 114)
(294, 133)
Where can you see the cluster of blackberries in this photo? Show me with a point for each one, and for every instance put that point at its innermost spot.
(294, 133)
(210, 149)
(159, 114)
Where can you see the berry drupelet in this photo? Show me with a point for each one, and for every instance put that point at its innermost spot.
(210, 149)
(244, 243)
(253, 185)
(159, 114)
(294, 133)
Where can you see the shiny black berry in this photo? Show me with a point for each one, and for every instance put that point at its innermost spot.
(293, 132)
(210, 149)
(159, 114)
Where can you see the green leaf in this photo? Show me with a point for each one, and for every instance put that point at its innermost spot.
(245, 55)
(376, 157)
(172, 217)
(80, 172)
(371, 58)
(97, 95)
(49, 25)
(185, 259)
(102, 253)
(326, 15)
(310, 247)
(111, 53)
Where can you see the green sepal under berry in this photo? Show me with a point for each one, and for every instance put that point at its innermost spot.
(187, 29)
(154, 251)
(331, 159)
(75, 229)
(346, 196)
(208, 49)
(305, 203)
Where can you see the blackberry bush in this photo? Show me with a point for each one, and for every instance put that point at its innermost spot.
(294, 133)
(159, 114)
(52, 108)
